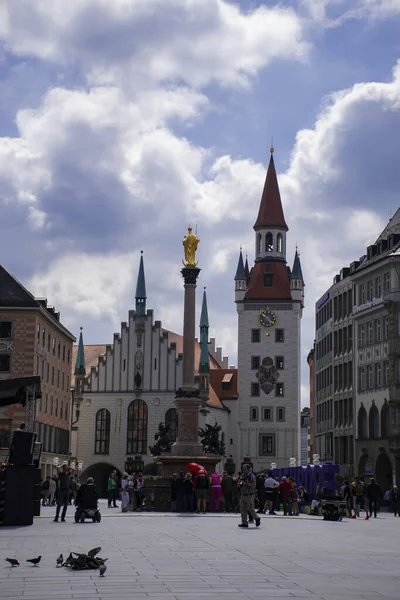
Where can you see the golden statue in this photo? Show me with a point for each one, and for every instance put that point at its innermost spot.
(190, 243)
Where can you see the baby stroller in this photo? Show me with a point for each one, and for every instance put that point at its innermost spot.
(86, 503)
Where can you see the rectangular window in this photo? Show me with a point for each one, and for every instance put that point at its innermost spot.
(38, 333)
(46, 404)
(58, 378)
(253, 413)
(280, 414)
(5, 363)
(51, 405)
(255, 389)
(279, 362)
(377, 330)
(279, 335)
(48, 372)
(267, 414)
(63, 354)
(255, 335)
(52, 375)
(369, 291)
(386, 373)
(68, 355)
(37, 365)
(59, 350)
(124, 364)
(62, 381)
(369, 377)
(386, 282)
(378, 379)
(56, 408)
(386, 328)
(361, 294)
(255, 363)
(67, 383)
(279, 389)
(370, 334)
(362, 379)
(42, 368)
(378, 287)
(48, 342)
(61, 409)
(267, 444)
(54, 346)
(361, 336)
(5, 330)
(66, 411)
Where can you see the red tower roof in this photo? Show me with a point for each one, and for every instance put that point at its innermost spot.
(270, 213)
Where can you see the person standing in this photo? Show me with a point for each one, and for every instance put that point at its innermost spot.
(201, 492)
(46, 491)
(373, 494)
(271, 493)
(285, 489)
(112, 490)
(139, 490)
(358, 496)
(63, 493)
(174, 495)
(394, 500)
(260, 488)
(216, 492)
(188, 493)
(180, 492)
(227, 491)
(247, 485)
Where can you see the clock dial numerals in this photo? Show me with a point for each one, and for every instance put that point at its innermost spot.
(267, 318)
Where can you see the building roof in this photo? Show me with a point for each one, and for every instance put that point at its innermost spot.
(224, 383)
(270, 213)
(296, 271)
(393, 226)
(280, 289)
(240, 271)
(92, 354)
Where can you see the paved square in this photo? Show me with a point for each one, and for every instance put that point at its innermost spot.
(169, 557)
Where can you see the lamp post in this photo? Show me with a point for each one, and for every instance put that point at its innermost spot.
(230, 466)
(138, 464)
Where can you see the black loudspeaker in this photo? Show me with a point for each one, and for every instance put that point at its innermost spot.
(17, 489)
(21, 449)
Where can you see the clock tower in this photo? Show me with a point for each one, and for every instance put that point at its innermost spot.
(269, 302)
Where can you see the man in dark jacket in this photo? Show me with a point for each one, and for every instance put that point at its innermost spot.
(285, 489)
(201, 487)
(373, 495)
(227, 491)
(260, 487)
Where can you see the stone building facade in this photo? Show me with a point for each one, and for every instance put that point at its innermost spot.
(269, 302)
(33, 341)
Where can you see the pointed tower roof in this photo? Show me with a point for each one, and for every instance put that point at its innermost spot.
(296, 270)
(141, 282)
(240, 271)
(204, 311)
(246, 268)
(80, 367)
(270, 213)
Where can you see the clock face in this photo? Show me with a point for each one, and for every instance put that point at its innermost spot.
(267, 318)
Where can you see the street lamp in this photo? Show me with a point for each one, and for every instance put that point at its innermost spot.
(315, 460)
(292, 462)
(138, 464)
(273, 465)
(230, 466)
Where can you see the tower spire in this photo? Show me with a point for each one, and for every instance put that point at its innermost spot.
(80, 367)
(270, 213)
(204, 366)
(296, 270)
(246, 268)
(240, 271)
(141, 289)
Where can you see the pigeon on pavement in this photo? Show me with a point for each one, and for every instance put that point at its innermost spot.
(92, 553)
(13, 562)
(34, 561)
(60, 560)
(103, 569)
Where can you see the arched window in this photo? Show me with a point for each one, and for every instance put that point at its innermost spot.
(259, 242)
(136, 441)
(102, 443)
(385, 420)
(362, 424)
(279, 243)
(373, 422)
(269, 242)
(171, 418)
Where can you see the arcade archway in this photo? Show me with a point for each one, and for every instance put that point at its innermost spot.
(100, 473)
(383, 472)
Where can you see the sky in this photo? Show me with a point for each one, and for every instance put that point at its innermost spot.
(123, 122)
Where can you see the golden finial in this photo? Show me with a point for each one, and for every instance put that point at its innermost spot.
(272, 146)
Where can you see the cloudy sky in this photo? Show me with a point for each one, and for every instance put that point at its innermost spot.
(122, 121)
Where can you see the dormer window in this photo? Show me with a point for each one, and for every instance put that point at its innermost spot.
(269, 242)
(279, 243)
(268, 275)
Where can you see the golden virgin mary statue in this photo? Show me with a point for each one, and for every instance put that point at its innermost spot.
(190, 243)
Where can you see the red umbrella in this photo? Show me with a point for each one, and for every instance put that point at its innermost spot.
(196, 468)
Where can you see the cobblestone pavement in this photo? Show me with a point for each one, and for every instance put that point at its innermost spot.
(167, 557)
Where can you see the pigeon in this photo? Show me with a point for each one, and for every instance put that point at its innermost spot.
(60, 560)
(13, 562)
(92, 553)
(103, 569)
(34, 561)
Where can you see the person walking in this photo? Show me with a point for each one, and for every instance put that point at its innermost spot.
(227, 491)
(358, 496)
(394, 500)
(216, 492)
(63, 492)
(271, 493)
(373, 494)
(112, 490)
(247, 485)
(188, 492)
(201, 491)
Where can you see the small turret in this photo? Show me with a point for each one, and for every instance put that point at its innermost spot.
(204, 366)
(80, 366)
(141, 289)
(240, 279)
(296, 280)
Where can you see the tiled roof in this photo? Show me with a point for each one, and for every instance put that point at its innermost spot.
(92, 353)
(270, 213)
(13, 293)
(228, 391)
(280, 289)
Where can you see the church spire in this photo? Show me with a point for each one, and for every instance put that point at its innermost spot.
(240, 271)
(80, 367)
(246, 268)
(270, 214)
(204, 366)
(296, 271)
(141, 289)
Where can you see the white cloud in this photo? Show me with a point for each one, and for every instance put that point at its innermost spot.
(197, 41)
(333, 13)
